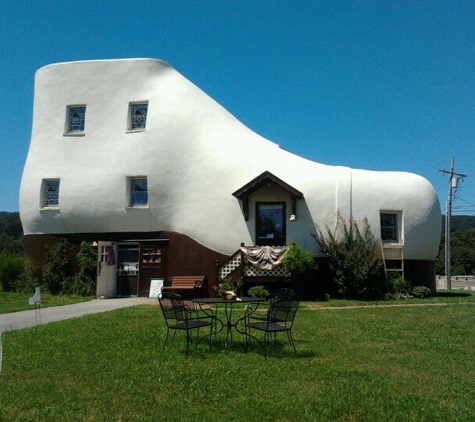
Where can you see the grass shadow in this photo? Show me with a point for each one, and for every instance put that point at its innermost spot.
(453, 294)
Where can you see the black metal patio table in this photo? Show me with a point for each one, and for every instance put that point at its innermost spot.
(229, 305)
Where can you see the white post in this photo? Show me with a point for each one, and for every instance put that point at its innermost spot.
(448, 214)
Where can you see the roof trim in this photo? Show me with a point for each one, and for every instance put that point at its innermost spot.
(260, 181)
(242, 194)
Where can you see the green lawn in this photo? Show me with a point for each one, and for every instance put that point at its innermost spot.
(442, 296)
(354, 364)
(14, 302)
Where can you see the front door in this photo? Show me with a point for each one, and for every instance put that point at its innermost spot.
(270, 224)
(127, 269)
(153, 264)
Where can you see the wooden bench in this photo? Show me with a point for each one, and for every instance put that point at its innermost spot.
(185, 284)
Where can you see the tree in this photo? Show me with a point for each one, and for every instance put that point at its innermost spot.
(462, 252)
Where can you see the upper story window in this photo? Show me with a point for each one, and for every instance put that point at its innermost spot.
(138, 192)
(76, 119)
(137, 116)
(390, 227)
(50, 193)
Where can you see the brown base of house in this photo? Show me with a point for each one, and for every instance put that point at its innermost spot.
(185, 256)
(182, 255)
(420, 273)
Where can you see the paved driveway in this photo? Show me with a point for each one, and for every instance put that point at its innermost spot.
(24, 319)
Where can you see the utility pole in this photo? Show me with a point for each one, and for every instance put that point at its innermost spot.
(453, 180)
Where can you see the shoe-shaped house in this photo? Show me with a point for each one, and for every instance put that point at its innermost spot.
(130, 155)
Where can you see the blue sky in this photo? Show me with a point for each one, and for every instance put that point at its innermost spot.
(378, 85)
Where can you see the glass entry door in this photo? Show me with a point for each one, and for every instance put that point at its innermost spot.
(127, 269)
(270, 224)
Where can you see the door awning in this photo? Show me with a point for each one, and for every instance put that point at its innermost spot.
(243, 193)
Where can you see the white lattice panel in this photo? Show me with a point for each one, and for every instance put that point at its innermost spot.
(251, 271)
(230, 266)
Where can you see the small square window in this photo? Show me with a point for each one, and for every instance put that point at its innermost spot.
(76, 119)
(138, 192)
(103, 254)
(389, 227)
(50, 197)
(137, 116)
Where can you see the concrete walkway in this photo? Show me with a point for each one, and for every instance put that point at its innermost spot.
(24, 319)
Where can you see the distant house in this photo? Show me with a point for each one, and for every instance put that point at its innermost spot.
(132, 156)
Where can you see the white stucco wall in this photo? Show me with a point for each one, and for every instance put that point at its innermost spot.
(195, 154)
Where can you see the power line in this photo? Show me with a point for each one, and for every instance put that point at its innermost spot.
(468, 204)
(453, 182)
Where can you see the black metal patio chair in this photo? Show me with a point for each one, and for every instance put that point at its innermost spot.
(278, 294)
(180, 317)
(280, 318)
(283, 293)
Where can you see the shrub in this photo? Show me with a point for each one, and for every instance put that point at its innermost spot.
(56, 270)
(297, 260)
(85, 280)
(10, 244)
(231, 285)
(421, 291)
(355, 266)
(399, 285)
(227, 285)
(77, 285)
(258, 291)
(26, 282)
(11, 269)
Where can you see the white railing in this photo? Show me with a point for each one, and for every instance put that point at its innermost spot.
(458, 282)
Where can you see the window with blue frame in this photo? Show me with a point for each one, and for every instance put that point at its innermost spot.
(50, 197)
(138, 116)
(76, 119)
(138, 192)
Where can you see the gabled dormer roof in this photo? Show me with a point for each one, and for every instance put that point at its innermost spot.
(263, 179)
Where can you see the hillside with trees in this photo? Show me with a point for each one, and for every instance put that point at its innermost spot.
(460, 222)
(11, 233)
(462, 250)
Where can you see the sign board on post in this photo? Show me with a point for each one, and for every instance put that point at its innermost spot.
(156, 285)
